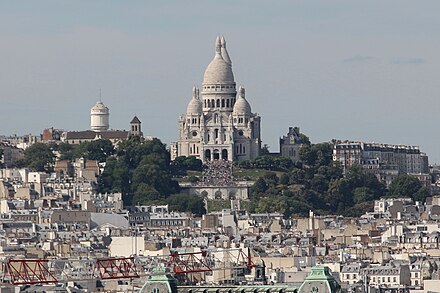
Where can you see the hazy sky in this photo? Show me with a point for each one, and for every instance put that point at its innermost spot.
(359, 70)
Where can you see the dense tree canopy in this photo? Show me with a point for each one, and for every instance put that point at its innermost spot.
(98, 150)
(38, 157)
(408, 186)
(140, 170)
(268, 162)
(186, 203)
(182, 164)
(316, 184)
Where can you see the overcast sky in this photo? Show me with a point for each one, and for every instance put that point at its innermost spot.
(358, 70)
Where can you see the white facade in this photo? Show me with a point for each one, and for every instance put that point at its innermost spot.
(99, 117)
(219, 124)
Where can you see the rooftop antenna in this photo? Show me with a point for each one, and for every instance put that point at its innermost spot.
(100, 95)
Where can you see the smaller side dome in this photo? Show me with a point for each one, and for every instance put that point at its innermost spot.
(242, 106)
(195, 105)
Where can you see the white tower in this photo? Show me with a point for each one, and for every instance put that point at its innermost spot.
(99, 117)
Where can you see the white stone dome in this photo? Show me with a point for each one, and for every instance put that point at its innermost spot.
(219, 70)
(195, 105)
(99, 107)
(242, 106)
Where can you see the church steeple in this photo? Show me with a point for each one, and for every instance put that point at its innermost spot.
(218, 46)
(135, 126)
(224, 52)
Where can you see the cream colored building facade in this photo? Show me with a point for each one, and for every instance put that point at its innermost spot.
(219, 123)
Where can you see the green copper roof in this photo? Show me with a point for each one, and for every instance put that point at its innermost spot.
(320, 273)
(320, 280)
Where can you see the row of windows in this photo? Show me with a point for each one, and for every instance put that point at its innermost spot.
(193, 149)
(217, 135)
(240, 149)
(219, 103)
(218, 87)
(166, 223)
(384, 279)
(292, 152)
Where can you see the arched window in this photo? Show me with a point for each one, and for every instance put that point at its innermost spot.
(218, 103)
(212, 103)
(227, 103)
(216, 155)
(223, 103)
(225, 155)
(208, 155)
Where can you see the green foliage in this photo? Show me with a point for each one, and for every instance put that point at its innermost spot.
(265, 150)
(316, 155)
(305, 139)
(98, 150)
(259, 188)
(181, 165)
(145, 194)
(184, 202)
(410, 186)
(140, 170)
(38, 157)
(359, 209)
(274, 163)
(421, 194)
(67, 151)
(317, 185)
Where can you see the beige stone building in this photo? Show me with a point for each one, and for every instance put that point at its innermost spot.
(219, 124)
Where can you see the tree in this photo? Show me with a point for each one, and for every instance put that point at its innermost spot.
(138, 164)
(184, 202)
(182, 164)
(98, 150)
(421, 194)
(316, 155)
(272, 205)
(363, 194)
(39, 157)
(297, 208)
(305, 139)
(307, 155)
(259, 188)
(145, 194)
(67, 151)
(265, 150)
(405, 185)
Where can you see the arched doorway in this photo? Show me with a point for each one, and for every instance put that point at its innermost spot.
(216, 155)
(225, 155)
(208, 155)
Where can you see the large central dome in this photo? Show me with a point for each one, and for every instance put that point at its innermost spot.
(219, 70)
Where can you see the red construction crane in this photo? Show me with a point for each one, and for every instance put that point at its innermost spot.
(37, 271)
